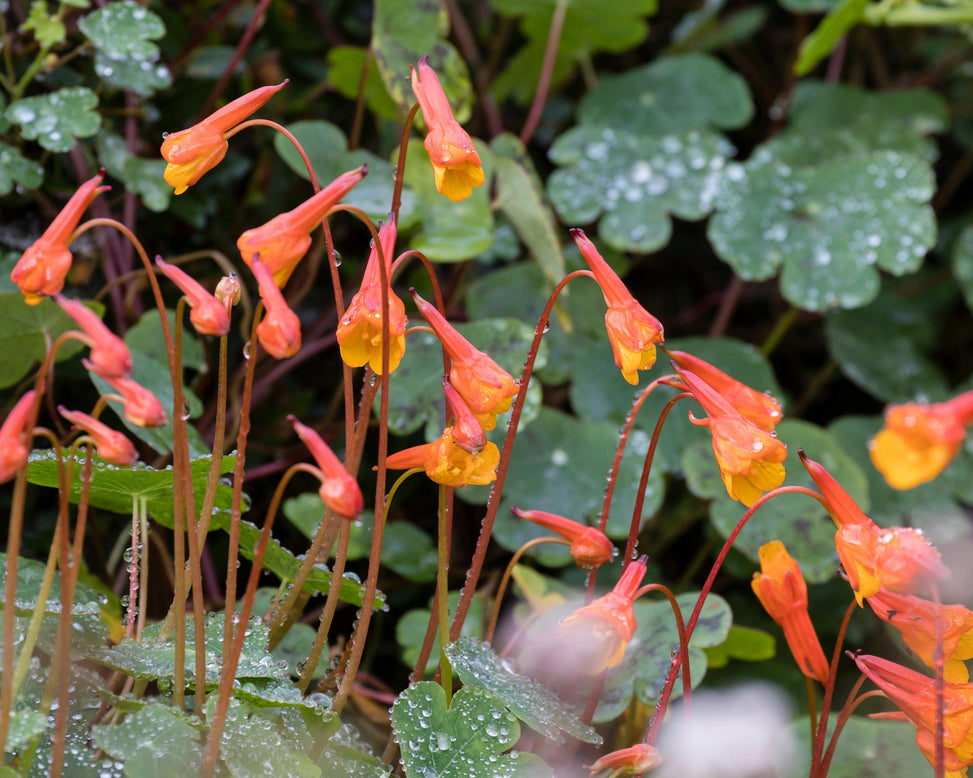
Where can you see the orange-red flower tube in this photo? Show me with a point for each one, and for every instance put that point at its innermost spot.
(280, 331)
(634, 760)
(110, 356)
(590, 547)
(339, 490)
(141, 407)
(111, 444)
(14, 443)
(208, 315)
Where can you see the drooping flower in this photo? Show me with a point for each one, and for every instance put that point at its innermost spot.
(632, 330)
(448, 463)
(141, 407)
(339, 490)
(915, 695)
(41, 269)
(208, 314)
(110, 357)
(454, 159)
(919, 440)
(781, 589)
(759, 408)
(600, 631)
(281, 242)
(14, 446)
(468, 434)
(915, 619)
(485, 386)
(280, 331)
(360, 329)
(749, 458)
(590, 547)
(195, 151)
(111, 444)
(634, 760)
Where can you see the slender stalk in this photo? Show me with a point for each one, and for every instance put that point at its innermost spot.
(687, 685)
(252, 26)
(812, 704)
(356, 122)
(442, 594)
(819, 737)
(400, 166)
(780, 329)
(843, 716)
(547, 70)
(287, 134)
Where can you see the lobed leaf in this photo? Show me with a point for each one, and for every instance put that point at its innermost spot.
(57, 119)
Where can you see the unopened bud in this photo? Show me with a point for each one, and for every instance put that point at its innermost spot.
(228, 290)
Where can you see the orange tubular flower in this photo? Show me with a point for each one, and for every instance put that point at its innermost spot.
(915, 618)
(632, 330)
(339, 490)
(195, 151)
(781, 589)
(281, 242)
(446, 462)
(208, 314)
(112, 445)
(454, 160)
(750, 459)
(633, 760)
(142, 408)
(919, 440)
(110, 357)
(43, 267)
(485, 386)
(14, 445)
(360, 329)
(915, 695)
(590, 547)
(280, 331)
(603, 628)
(757, 407)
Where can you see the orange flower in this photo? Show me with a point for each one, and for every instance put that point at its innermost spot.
(110, 357)
(142, 408)
(757, 407)
(43, 267)
(632, 330)
(915, 618)
(603, 628)
(13, 434)
(281, 242)
(749, 458)
(485, 386)
(339, 490)
(360, 329)
(633, 760)
(915, 695)
(781, 589)
(590, 547)
(468, 434)
(454, 160)
(112, 445)
(448, 463)
(208, 314)
(280, 331)
(195, 151)
(919, 440)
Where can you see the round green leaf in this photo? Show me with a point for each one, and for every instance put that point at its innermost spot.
(155, 742)
(15, 169)
(255, 746)
(411, 629)
(25, 331)
(142, 76)
(123, 30)
(55, 120)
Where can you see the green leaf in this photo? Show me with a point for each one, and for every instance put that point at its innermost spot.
(15, 169)
(637, 181)
(124, 30)
(25, 331)
(142, 76)
(800, 522)
(745, 643)
(140, 176)
(48, 29)
(404, 31)
(258, 745)
(520, 195)
(828, 227)
(536, 705)
(327, 148)
(346, 754)
(451, 231)
(870, 748)
(410, 630)
(822, 41)
(345, 65)
(154, 742)
(962, 261)
(25, 725)
(56, 120)
(467, 740)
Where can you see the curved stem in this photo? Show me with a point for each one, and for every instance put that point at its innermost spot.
(400, 166)
(683, 636)
(843, 716)
(287, 134)
(818, 745)
(547, 69)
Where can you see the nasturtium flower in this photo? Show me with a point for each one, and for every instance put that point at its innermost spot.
(112, 445)
(599, 632)
(915, 696)
(208, 315)
(339, 490)
(454, 159)
(915, 619)
(781, 589)
(109, 355)
(758, 407)
(634, 760)
(198, 149)
(632, 330)
(14, 443)
(919, 440)
(41, 269)
(360, 329)
(141, 407)
(281, 242)
(485, 386)
(280, 330)
(448, 463)
(590, 547)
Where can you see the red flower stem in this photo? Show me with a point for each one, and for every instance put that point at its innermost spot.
(547, 70)
(486, 528)
(502, 588)
(939, 662)
(442, 593)
(812, 704)
(842, 719)
(256, 19)
(596, 690)
(400, 166)
(663, 703)
(818, 746)
(287, 134)
(356, 121)
(687, 685)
